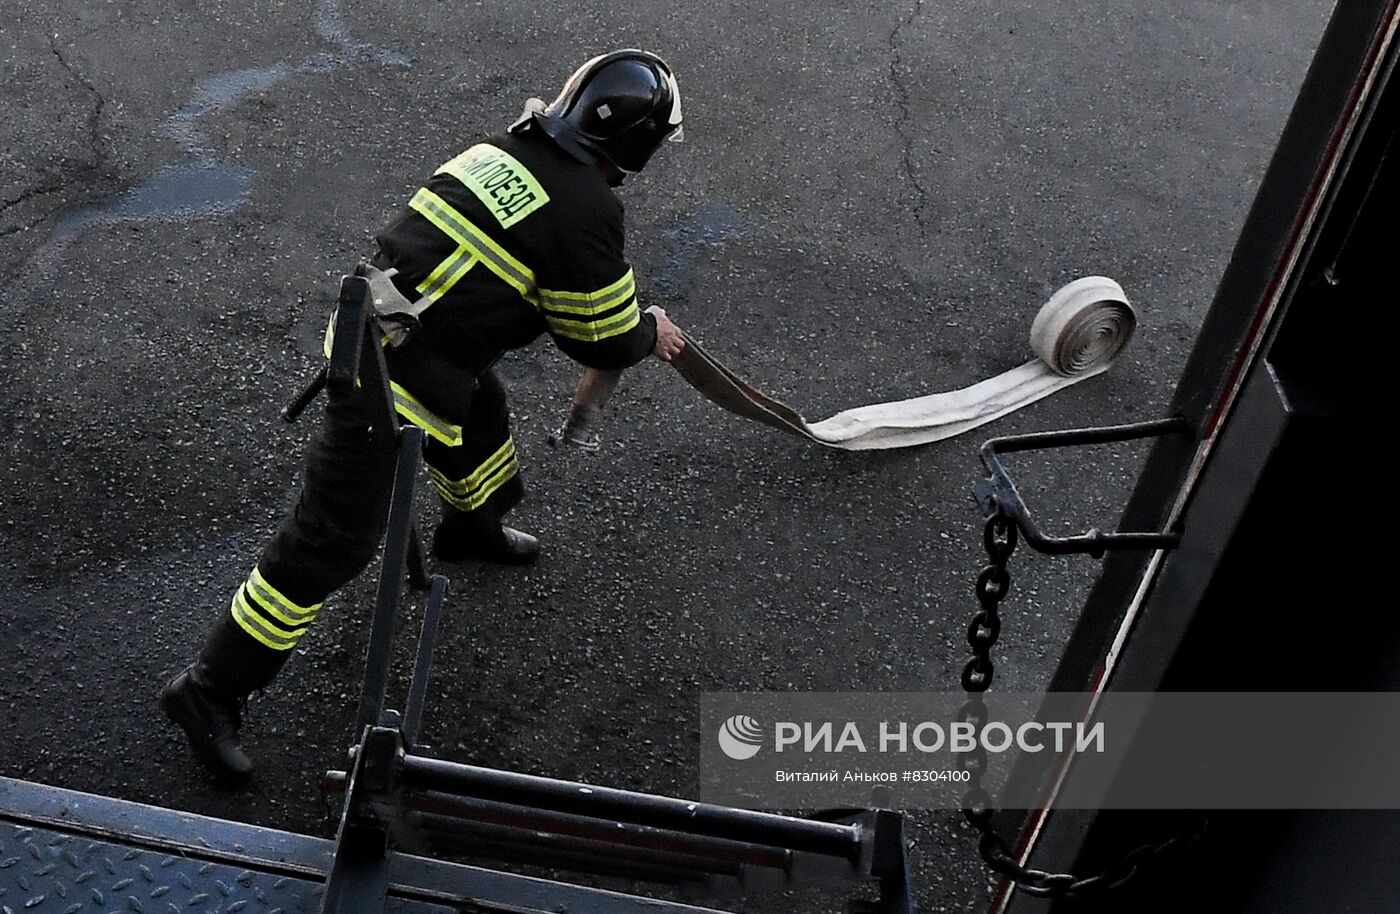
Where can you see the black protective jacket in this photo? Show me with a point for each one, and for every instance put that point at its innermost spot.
(514, 238)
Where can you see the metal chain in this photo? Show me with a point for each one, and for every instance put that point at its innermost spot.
(999, 538)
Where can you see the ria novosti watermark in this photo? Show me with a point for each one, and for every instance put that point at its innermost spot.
(741, 737)
(1118, 750)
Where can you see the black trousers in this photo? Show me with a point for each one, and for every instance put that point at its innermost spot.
(334, 529)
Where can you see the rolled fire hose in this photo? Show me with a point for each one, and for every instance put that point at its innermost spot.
(1076, 335)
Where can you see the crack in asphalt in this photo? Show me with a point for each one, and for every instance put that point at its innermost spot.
(204, 184)
(83, 169)
(98, 147)
(44, 187)
(15, 230)
(86, 83)
(905, 118)
(95, 139)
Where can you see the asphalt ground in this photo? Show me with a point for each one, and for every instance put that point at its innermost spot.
(871, 202)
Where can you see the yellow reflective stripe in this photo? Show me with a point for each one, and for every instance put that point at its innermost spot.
(489, 465)
(575, 315)
(290, 634)
(470, 493)
(503, 185)
(272, 600)
(408, 406)
(460, 229)
(415, 412)
(588, 303)
(260, 629)
(446, 274)
(470, 501)
(593, 331)
(505, 475)
(328, 341)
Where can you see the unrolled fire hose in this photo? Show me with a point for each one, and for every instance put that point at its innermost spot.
(1076, 335)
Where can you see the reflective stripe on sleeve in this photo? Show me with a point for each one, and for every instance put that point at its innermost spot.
(593, 316)
(590, 304)
(593, 331)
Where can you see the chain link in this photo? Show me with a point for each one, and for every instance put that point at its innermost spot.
(999, 537)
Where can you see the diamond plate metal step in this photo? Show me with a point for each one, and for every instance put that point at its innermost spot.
(51, 872)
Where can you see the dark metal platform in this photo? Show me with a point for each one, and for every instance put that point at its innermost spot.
(64, 852)
(52, 871)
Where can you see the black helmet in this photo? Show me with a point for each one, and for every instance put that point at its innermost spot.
(618, 107)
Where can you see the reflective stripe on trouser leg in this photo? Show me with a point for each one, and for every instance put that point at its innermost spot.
(473, 490)
(234, 663)
(267, 616)
(482, 475)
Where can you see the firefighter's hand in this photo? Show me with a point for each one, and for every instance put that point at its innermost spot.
(669, 339)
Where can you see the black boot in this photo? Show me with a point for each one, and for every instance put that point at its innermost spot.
(205, 698)
(210, 721)
(463, 537)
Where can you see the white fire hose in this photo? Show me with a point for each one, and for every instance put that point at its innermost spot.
(1076, 335)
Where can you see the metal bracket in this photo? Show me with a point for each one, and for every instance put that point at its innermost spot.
(358, 881)
(998, 491)
(512, 817)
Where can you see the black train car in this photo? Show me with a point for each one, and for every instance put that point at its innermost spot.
(1277, 491)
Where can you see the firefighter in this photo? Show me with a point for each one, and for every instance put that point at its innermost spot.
(519, 235)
